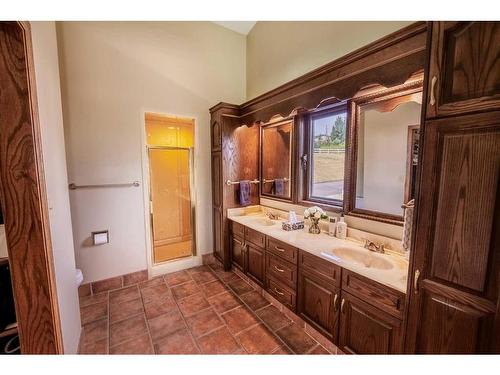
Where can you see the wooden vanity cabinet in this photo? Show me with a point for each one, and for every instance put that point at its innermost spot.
(365, 329)
(238, 252)
(255, 263)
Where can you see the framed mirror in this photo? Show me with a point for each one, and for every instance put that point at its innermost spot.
(276, 159)
(384, 156)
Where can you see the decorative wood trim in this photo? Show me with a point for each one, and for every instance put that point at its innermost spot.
(24, 199)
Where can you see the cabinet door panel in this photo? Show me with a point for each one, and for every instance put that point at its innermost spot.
(365, 329)
(217, 223)
(216, 180)
(238, 253)
(318, 303)
(255, 263)
(465, 67)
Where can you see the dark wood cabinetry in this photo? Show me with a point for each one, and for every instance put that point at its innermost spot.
(364, 329)
(454, 285)
(464, 70)
(256, 263)
(238, 250)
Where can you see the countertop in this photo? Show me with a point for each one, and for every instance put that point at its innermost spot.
(321, 246)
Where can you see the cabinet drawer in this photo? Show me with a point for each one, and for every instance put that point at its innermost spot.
(282, 250)
(283, 294)
(376, 294)
(282, 270)
(237, 229)
(255, 237)
(322, 268)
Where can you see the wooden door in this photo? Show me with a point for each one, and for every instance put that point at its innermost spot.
(218, 234)
(255, 263)
(464, 72)
(454, 296)
(364, 329)
(318, 303)
(238, 253)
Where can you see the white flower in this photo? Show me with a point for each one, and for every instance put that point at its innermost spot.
(306, 213)
(317, 215)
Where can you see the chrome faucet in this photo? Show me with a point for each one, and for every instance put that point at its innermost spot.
(372, 246)
(272, 215)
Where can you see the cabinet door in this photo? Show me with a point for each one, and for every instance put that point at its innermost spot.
(218, 237)
(255, 263)
(364, 329)
(216, 180)
(464, 70)
(318, 303)
(454, 294)
(238, 253)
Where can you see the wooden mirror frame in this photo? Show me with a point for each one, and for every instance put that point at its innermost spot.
(396, 96)
(291, 192)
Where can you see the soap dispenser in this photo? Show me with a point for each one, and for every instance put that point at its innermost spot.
(332, 226)
(341, 229)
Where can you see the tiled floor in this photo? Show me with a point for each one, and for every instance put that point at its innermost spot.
(200, 310)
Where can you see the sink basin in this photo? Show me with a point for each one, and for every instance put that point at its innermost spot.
(264, 221)
(359, 257)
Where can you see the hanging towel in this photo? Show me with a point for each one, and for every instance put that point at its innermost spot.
(244, 192)
(408, 224)
(279, 186)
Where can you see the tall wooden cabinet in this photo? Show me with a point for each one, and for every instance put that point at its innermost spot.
(454, 284)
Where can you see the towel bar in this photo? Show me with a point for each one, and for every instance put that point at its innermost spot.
(229, 182)
(264, 181)
(73, 186)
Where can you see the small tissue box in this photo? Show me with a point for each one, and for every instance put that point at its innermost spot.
(288, 226)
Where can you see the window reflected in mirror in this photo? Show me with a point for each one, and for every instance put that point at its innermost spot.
(276, 159)
(388, 134)
(328, 148)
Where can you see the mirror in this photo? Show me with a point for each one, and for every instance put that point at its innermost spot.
(276, 159)
(386, 154)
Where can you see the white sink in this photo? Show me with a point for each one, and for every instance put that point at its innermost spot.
(359, 257)
(264, 221)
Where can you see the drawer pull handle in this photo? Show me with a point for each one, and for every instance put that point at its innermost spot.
(342, 306)
(238, 242)
(280, 293)
(415, 281)
(335, 306)
(279, 249)
(279, 269)
(432, 101)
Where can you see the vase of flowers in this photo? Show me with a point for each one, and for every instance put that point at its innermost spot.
(315, 214)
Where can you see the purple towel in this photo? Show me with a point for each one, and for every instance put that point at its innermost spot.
(279, 186)
(244, 192)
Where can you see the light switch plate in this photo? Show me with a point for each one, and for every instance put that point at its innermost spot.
(100, 237)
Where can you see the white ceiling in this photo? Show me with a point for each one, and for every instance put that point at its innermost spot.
(242, 27)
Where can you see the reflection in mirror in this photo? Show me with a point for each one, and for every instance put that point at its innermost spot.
(276, 159)
(387, 153)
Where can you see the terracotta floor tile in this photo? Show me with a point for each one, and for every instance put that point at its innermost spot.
(127, 329)
(155, 293)
(98, 347)
(203, 277)
(213, 288)
(95, 331)
(239, 319)
(227, 276)
(124, 295)
(84, 290)
(179, 342)
(254, 300)
(218, 342)
(139, 345)
(198, 269)
(319, 350)
(240, 286)
(282, 350)
(152, 282)
(224, 302)
(177, 278)
(193, 304)
(296, 338)
(135, 277)
(216, 267)
(165, 325)
(259, 340)
(185, 290)
(204, 322)
(94, 312)
(106, 285)
(274, 318)
(125, 310)
(158, 307)
(96, 298)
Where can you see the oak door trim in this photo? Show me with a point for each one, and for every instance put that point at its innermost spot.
(27, 227)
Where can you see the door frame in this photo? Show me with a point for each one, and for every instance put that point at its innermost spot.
(174, 264)
(27, 227)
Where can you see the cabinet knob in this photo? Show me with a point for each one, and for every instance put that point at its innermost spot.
(432, 100)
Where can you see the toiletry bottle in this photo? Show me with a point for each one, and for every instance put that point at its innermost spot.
(341, 228)
(332, 226)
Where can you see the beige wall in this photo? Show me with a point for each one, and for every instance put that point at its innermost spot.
(278, 52)
(112, 73)
(54, 158)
